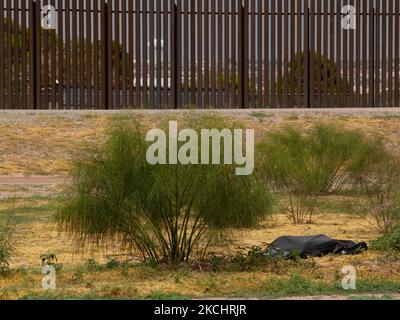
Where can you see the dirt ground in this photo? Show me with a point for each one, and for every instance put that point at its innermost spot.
(43, 143)
(36, 152)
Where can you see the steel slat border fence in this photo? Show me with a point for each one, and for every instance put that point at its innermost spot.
(171, 54)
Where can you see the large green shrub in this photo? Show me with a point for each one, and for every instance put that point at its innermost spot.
(167, 213)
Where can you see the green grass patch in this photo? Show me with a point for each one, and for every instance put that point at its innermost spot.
(298, 285)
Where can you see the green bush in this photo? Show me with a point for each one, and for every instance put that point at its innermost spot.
(387, 243)
(167, 213)
(289, 169)
(381, 185)
(301, 167)
(6, 249)
(6, 239)
(343, 155)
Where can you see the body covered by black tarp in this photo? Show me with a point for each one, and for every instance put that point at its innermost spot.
(312, 246)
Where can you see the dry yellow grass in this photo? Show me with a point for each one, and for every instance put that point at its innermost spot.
(36, 144)
(42, 144)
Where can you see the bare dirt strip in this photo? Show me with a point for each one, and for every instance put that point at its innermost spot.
(33, 180)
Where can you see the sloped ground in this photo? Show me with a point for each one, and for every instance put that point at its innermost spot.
(42, 143)
(35, 146)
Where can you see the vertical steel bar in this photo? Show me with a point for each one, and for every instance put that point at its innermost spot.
(319, 50)
(253, 53)
(60, 58)
(358, 100)
(299, 54)
(186, 52)
(371, 54)
(159, 51)
(193, 52)
(2, 62)
(199, 54)
(245, 55)
(151, 48)
(364, 29)
(116, 47)
(334, 90)
(397, 55)
(378, 54)
(67, 55)
(220, 62)
(16, 55)
(46, 104)
(145, 78)
(138, 62)
(293, 87)
(233, 53)
(286, 58)
(306, 31)
(82, 68)
(96, 54)
(24, 101)
(104, 52)
(178, 61)
(53, 72)
(384, 53)
(312, 54)
(279, 66)
(339, 86)
(206, 54)
(273, 54)
(351, 62)
(266, 54)
(32, 55)
(240, 54)
(326, 53)
(166, 53)
(74, 68)
(174, 52)
(124, 49)
(226, 59)
(110, 52)
(390, 54)
(38, 56)
(88, 55)
(213, 53)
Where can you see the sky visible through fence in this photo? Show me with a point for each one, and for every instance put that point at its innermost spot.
(260, 6)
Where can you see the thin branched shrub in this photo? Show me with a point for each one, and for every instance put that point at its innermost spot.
(342, 155)
(300, 167)
(6, 238)
(381, 195)
(287, 166)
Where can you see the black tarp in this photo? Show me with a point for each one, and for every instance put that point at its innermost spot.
(288, 247)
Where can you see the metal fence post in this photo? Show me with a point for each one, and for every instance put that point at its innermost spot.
(307, 103)
(243, 55)
(372, 58)
(33, 55)
(174, 71)
(2, 63)
(104, 55)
